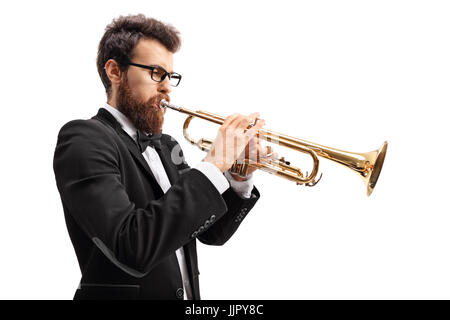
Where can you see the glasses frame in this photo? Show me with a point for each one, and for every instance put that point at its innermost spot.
(153, 67)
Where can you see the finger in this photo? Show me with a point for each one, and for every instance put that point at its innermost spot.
(250, 145)
(254, 152)
(266, 151)
(253, 118)
(253, 147)
(254, 144)
(246, 122)
(260, 152)
(242, 123)
(230, 119)
(255, 129)
(254, 115)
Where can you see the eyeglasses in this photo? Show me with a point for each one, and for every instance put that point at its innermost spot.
(158, 73)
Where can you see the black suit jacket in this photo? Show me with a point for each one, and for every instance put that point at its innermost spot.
(124, 229)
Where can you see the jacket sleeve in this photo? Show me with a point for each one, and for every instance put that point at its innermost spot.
(220, 230)
(238, 208)
(86, 166)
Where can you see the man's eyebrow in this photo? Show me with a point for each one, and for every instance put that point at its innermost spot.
(159, 65)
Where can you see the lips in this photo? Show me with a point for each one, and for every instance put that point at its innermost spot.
(156, 102)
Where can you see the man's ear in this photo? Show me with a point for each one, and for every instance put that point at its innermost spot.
(113, 71)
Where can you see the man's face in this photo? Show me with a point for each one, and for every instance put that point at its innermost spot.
(138, 96)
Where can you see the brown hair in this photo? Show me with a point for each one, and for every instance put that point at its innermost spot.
(122, 35)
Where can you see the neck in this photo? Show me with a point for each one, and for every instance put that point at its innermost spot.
(111, 100)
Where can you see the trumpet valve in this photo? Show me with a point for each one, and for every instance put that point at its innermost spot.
(283, 160)
(239, 168)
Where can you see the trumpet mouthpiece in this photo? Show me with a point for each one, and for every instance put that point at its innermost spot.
(163, 104)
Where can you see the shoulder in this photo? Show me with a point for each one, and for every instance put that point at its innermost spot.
(80, 138)
(89, 129)
(83, 142)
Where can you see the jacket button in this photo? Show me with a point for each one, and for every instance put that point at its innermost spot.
(180, 293)
(194, 234)
(207, 223)
(200, 230)
(212, 218)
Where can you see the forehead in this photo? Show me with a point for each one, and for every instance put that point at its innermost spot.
(151, 52)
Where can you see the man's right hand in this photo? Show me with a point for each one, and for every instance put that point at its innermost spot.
(232, 138)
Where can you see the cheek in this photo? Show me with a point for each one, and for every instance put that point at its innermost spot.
(142, 86)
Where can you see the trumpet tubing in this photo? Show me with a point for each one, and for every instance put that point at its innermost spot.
(367, 165)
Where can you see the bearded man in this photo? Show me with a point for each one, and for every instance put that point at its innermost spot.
(133, 207)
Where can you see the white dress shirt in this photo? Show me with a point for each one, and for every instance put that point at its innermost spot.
(221, 181)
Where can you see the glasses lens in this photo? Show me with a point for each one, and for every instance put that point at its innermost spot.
(175, 79)
(157, 74)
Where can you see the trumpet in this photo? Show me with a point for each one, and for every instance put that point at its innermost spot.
(367, 165)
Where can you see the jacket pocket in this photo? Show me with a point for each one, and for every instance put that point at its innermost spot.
(94, 291)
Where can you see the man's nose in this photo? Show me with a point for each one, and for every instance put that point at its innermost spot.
(164, 86)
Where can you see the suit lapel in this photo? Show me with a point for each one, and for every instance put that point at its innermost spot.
(104, 116)
(137, 155)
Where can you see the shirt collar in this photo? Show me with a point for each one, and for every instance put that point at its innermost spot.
(126, 124)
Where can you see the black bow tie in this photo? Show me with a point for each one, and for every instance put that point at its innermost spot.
(152, 140)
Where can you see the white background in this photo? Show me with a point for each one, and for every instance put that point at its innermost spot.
(347, 74)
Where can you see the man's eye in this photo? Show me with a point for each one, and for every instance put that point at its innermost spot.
(158, 72)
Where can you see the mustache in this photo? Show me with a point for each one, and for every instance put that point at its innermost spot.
(157, 99)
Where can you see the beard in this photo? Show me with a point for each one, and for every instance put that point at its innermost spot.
(143, 115)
